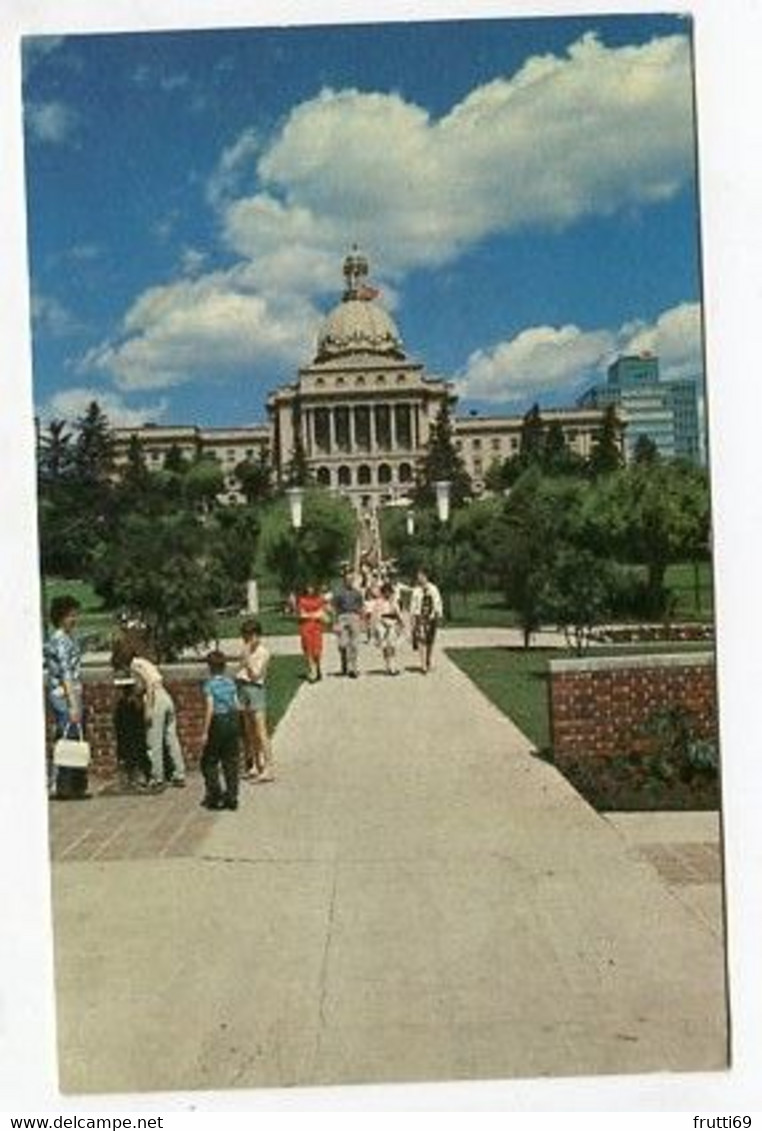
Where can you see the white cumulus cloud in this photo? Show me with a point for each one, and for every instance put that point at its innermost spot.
(538, 360)
(675, 337)
(70, 404)
(589, 132)
(203, 328)
(584, 133)
(548, 359)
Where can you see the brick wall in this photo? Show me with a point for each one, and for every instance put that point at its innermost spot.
(183, 682)
(598, 705)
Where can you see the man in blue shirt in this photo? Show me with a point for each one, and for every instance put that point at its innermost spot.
(348, 605)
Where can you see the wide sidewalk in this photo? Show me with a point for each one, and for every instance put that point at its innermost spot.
(415, 898)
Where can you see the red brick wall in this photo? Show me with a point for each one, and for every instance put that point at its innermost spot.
(183, 684)
(598, 709)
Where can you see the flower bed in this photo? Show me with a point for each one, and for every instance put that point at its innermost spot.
(653, 633)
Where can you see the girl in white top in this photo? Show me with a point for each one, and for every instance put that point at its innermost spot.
(252, 697)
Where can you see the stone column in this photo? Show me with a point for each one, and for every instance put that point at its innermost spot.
(393, 426)
(331, 431)
(351, 412)
(372, 416)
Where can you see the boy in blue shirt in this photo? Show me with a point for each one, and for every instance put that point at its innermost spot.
(220, 736)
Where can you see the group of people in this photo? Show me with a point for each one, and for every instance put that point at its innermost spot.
(148, 747)
(374, 604)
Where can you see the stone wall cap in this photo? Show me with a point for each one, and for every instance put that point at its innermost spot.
(635, 660)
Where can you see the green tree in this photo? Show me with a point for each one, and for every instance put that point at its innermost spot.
(578, 593)
(312, 554)
(442, 461)
(94, 447)
(653, 514)
(55, 456)
(645, 450)
(175, 461)
(203, 481)
(606, 455)
(532, 442)
(256, 478)
(161, 567)
(234, 538)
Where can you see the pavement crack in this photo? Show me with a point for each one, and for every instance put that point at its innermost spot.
(323, 976)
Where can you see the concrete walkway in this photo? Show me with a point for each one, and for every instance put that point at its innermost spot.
(415, 898)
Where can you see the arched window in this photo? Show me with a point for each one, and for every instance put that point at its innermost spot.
(364, 476)
(405, 473)
(380, 379)
(360, 380)
(324, 476)
(345, 477)
(384, 473)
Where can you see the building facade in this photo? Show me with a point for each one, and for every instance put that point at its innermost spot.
(359, 414)
(666, 412)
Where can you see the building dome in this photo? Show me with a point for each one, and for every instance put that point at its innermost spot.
(358, 324)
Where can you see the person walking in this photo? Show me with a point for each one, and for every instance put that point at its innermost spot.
(62, 657)
(220, 736)
(387, 624)
(311, 609)
(425, 613)
(348, 605)
(252, 698)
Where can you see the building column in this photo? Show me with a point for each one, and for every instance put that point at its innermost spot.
(393, 426)
(331, 432)
(351, 412)
(372, 415)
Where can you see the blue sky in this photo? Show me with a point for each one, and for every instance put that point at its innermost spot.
(524, 190)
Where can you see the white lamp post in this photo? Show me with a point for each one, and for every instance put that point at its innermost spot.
(295, 496)
(442, 490)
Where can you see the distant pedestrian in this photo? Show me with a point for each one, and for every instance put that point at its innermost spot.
(220, 736)
(311, 609)
(62, 656)
(348, 605)
(425, 613)
(252, 697)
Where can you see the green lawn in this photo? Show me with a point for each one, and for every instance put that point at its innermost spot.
(284, 678)
(515, 679)
(693, 594)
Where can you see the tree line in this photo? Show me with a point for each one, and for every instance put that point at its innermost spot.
(563, 539)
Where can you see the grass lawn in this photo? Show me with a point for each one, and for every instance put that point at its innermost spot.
(515, 680)
(284, 678)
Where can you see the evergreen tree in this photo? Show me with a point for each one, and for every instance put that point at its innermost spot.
(606, 454)
(442, 461)
(55, 454)
(256, 477)
(531, 445)
(297, 471)
(175, 461)
(94, 447)
(645, 450)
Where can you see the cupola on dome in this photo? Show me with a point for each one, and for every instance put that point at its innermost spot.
(358, 324)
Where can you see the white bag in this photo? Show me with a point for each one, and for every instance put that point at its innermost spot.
(73, 753)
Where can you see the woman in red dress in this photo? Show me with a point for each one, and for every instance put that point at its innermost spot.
(311, 611)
